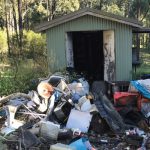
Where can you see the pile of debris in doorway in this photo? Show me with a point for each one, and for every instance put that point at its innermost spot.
(68, 114)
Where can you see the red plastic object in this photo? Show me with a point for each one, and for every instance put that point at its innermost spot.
(125, 98)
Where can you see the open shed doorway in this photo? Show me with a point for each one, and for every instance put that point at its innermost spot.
(87, 53)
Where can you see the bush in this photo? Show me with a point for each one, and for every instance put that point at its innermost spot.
(34, 44)
(21, 78)
(22, 73)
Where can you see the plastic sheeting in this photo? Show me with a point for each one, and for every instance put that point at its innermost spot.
(79, 120)
(143, 86)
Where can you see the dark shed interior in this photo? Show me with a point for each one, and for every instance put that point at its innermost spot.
(88, 53)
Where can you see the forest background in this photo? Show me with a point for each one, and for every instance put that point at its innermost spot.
(23, 54)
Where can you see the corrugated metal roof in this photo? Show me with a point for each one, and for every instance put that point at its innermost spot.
(141, 30)
(87, 11)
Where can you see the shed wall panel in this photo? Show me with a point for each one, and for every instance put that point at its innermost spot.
(123, 43)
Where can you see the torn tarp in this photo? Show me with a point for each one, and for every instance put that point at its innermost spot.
(143, 86)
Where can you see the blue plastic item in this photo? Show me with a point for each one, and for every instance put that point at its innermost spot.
(76, 97)
(3, 113)
(57, 95)
(145, 92)
(79, 144)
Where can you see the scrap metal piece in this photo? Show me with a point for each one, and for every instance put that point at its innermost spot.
(11, 114)
(28, 139)
(49, 130)
(13, 96)
(11, 108)
(134, 140)
(34, 97)
(65, 134)
(51, 107)
(62, 110)
(11, 123)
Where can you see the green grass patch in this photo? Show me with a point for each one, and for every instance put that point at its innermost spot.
(21, 75)
(144, 68)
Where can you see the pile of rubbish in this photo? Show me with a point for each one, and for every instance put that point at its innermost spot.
(66, 114)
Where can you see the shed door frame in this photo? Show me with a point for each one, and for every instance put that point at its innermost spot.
(109, 55)
(69, 50)
(108, 49)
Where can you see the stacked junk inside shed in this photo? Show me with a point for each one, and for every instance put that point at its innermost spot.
(67, 113)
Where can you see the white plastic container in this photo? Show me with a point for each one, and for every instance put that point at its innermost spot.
(77, 88)
(79, 120)
(60, 146)
(84, 104)
(85, 85)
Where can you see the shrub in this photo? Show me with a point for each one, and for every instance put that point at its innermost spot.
(22, 78)
(23, 72)
(34, 44)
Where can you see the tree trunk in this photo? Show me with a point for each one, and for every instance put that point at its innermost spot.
(138, 9)
(53, 9)
(26, 24)
(7, 29)
(27, 16)
(137, 34)
(48, 10)
(127, 8)
(15, 20)
(101, 5)
(20, 24)
(138, 45)
(148, 43)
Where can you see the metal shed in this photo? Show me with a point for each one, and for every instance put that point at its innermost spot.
(91, 41)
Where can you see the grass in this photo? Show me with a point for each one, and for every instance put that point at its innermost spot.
(20, 75)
